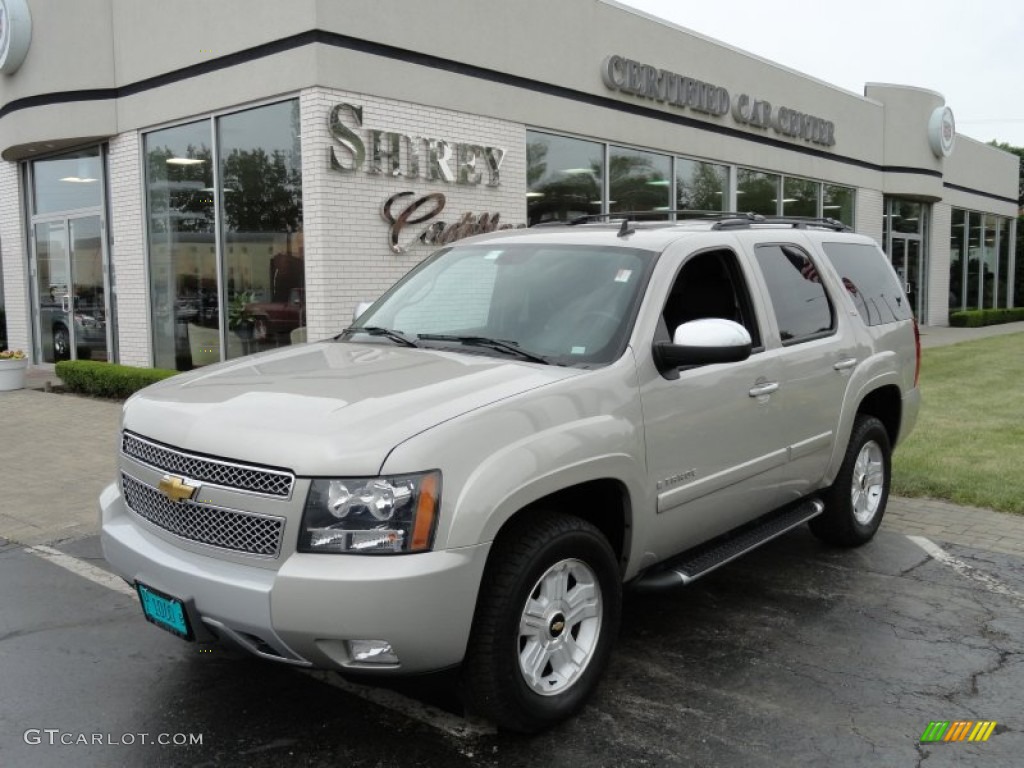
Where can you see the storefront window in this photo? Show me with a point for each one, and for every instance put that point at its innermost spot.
(564, 177)
(800, 197)
(638, 181)
(68, 182)
(261, 178)
(837, 203)
(701, 186)
(182, 248)
(975, 256)
(1002, 284)
(212, 303)
(757, 192)
(988, 262)
(905, 216)
(957, 259)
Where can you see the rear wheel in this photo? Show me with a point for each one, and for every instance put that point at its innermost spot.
(545, 621)
(855, 502)
(61, 342)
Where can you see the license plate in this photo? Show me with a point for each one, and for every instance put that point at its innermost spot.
(165, 611)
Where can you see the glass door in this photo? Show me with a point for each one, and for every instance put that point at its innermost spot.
(71, 295)
(906, 260)
(89, 330)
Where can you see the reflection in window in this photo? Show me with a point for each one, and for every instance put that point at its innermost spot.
(701, 186)
(988, 262)
(837, 203)
(957, 259)
(254, 297)
(67, 182)
(877, 294)
(800, 197)
(801, 305)
(757, 192)
(1003, 282)
(261, 175)
(975, 255)
(564, 177)
(182, 251)
(905, 215)
(638, 181)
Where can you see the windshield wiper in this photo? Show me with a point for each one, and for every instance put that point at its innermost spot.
(509, 347)
(376, 330)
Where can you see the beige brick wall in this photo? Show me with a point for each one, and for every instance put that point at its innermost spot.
(348, 256)
(128, 250)
(940, 226)
(15, 261)
(868, 214)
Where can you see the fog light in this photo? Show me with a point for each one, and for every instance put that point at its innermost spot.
(371, 652)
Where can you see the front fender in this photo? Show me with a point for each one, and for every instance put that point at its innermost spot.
(501, 458)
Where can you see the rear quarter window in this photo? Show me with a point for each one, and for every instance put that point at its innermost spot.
(870, 282)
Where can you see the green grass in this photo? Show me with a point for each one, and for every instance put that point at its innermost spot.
(968, 445)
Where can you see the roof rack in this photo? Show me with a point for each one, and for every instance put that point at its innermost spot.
(722, 219)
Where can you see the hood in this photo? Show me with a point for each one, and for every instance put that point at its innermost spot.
(331, 408)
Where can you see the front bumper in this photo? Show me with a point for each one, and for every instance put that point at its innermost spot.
(305, 611)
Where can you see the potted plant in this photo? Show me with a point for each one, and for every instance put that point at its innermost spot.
(13, 363)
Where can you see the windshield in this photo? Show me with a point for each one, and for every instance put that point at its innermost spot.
(567, 304)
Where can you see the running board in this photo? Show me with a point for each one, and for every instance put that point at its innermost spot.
(705, 558)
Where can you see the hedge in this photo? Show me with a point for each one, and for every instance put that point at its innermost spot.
(976, 318)
(89, 377)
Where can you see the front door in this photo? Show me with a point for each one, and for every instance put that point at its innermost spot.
(72, 304)
(907, 261)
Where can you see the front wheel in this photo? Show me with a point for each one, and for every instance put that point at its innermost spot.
(855, 502)
(545, 622)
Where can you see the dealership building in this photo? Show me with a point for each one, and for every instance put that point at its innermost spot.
(187, 182)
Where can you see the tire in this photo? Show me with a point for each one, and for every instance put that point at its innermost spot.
(61, 342)
(541, 572)
(855, 502)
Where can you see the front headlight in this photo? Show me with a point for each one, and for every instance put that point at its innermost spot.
(371, 515)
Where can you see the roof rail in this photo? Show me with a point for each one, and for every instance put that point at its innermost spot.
(722, 219)
(796, 222)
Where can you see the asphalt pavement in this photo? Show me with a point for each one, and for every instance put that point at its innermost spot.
(795, 655)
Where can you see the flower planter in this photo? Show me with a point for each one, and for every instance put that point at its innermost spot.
(12, 374)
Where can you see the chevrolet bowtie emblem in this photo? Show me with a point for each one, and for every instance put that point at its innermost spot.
(177, 489)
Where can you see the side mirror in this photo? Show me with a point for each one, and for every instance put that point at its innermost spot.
(361, 307)
(703, 342)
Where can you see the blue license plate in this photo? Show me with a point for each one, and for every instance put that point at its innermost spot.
(165, 611)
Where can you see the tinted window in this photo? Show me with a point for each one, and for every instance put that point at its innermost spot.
(801, 305)
(869, 281)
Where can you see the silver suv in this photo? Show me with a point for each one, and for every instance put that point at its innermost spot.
(525, 423)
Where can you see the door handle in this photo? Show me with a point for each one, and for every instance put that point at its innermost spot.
(844, 365)
(764, 389)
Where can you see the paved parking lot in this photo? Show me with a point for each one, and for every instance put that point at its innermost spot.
(796, 655)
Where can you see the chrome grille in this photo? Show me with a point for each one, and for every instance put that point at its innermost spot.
(270, 482)
(206, 524)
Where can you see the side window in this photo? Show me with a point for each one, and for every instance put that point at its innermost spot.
(802, 307)
(870, 281)
(710, 284)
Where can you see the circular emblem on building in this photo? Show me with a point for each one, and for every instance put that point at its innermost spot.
(15, 34)
(942, 131)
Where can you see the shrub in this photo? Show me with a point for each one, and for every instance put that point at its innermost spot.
(976, 318)
(89, 377)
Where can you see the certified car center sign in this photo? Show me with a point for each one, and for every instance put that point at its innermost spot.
(15, 34)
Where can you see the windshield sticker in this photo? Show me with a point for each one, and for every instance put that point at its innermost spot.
(623, 275)
(492, 255)
(578, 351)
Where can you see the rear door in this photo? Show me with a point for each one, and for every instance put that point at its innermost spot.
(817, 355)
